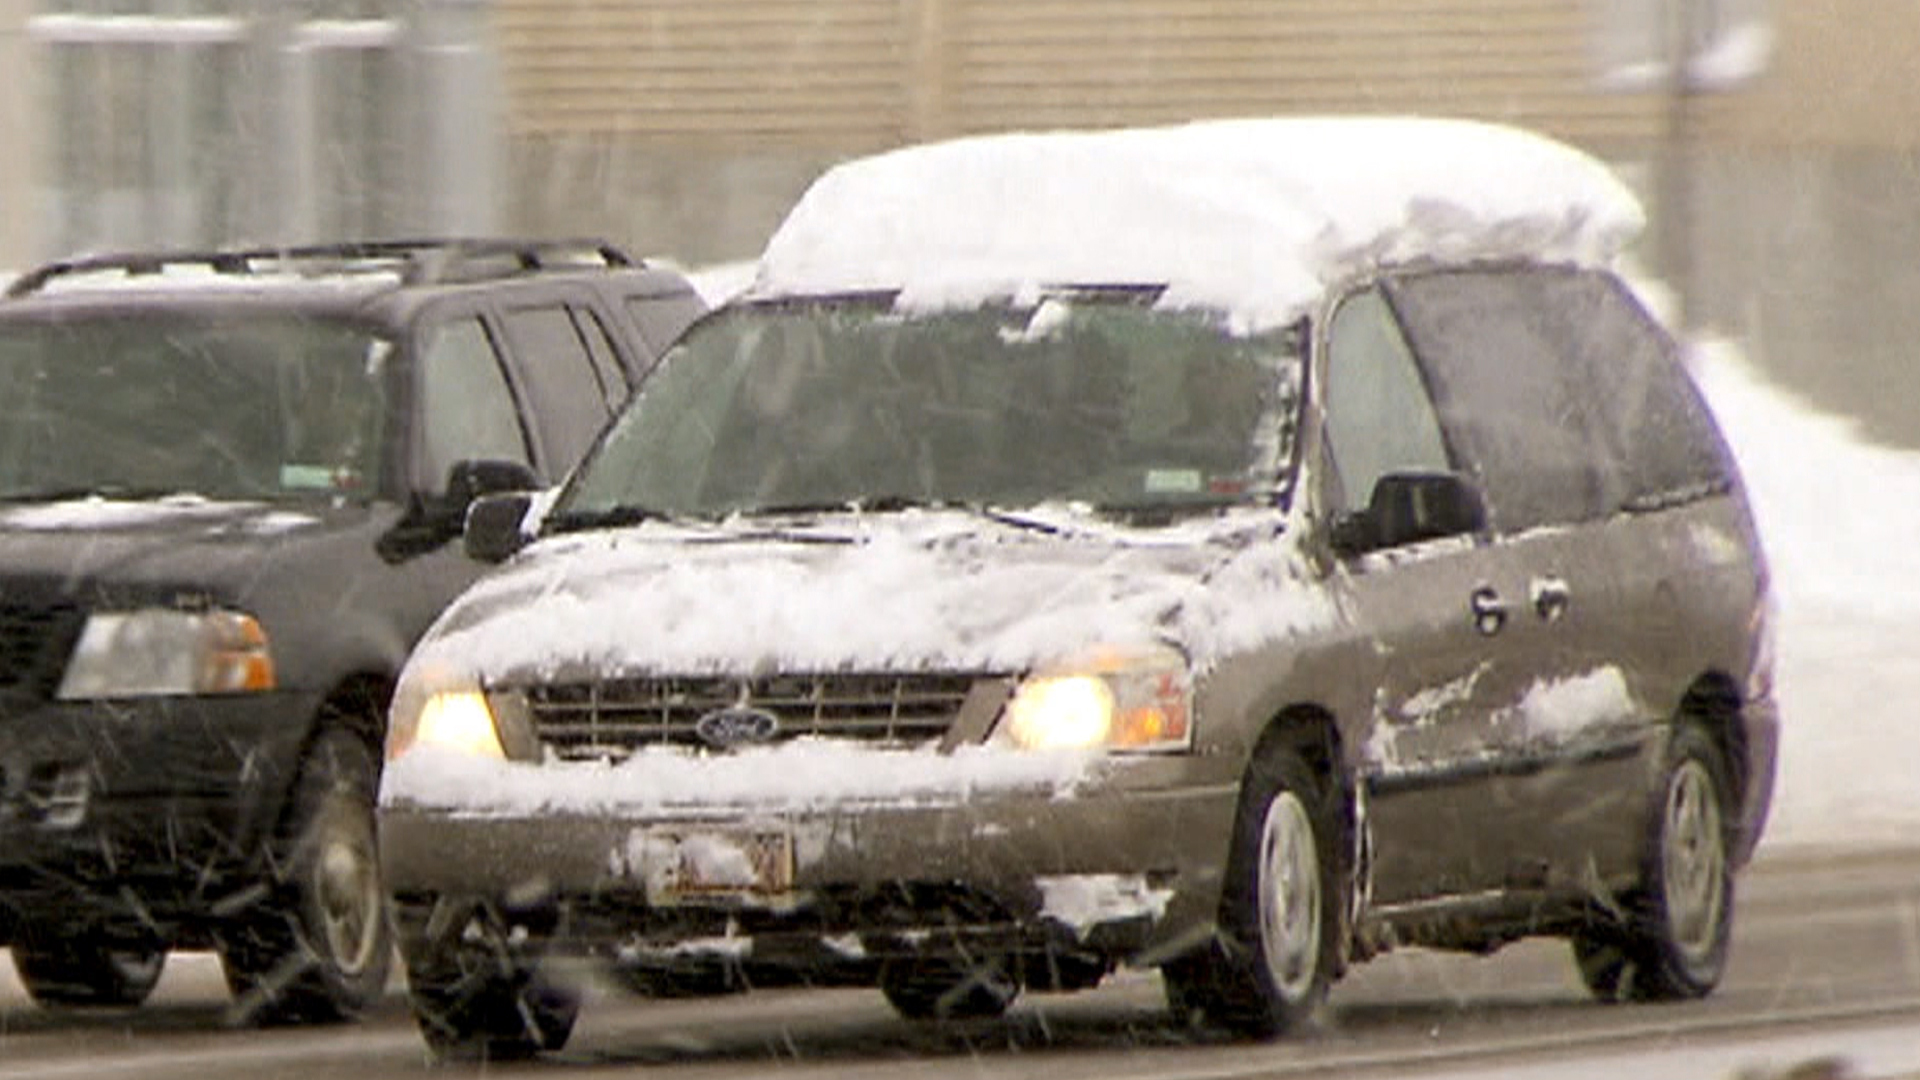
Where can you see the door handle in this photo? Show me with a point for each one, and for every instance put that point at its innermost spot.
(1489, 611)
(1551, 598)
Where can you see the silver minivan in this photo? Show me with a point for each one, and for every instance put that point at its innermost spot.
(1235, 549)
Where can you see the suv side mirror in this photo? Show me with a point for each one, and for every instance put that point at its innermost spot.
(1409, 507)
(469, 480)
(493, 531)
(433, 520)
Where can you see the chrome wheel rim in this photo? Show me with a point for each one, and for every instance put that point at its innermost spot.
(348, 895)
(1694, 862)
(1290, 897)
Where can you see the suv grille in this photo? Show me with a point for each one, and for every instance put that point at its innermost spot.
(34, 643)
(614, 718)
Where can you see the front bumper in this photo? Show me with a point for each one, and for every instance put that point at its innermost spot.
(152, 806)
(1123, 870)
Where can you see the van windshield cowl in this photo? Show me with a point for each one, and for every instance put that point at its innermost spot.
(1095, 398)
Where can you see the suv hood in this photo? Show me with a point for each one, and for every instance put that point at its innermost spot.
(108, 550)
(900, 592)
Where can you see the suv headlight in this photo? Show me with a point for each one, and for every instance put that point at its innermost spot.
(159, 651)
(1116, 698)
(433, 708)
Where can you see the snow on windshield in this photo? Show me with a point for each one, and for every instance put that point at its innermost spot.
(1281, 207)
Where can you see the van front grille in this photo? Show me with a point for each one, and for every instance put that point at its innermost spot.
(613, 718)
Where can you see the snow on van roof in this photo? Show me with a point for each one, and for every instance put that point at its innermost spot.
(1252, 217)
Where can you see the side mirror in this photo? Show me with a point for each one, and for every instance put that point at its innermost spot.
(1409, 507)
(432, 520)
(493, 530)
(468, 480)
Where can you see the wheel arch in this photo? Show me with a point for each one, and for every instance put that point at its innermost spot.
(1712, 703)
(1312, 731)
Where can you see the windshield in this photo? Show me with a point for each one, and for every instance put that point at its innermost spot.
(240, 406)
(1103, 400)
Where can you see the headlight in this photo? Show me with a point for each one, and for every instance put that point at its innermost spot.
(159, 651)
(1122, 699)
(450, 714)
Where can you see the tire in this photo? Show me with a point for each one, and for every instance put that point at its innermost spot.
(82, 972)
(1270, 970)
(475, 998)
(320, 946)
(949, 987)
(1671, 942)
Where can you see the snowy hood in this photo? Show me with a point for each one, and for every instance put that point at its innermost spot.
(174, 540)
(909, 592)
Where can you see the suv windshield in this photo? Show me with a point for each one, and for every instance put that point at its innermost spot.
(248, 406)
(1093, 396)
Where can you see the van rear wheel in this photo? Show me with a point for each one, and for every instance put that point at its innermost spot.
(1670, 942)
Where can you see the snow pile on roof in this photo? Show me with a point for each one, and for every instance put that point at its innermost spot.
(1247, 216)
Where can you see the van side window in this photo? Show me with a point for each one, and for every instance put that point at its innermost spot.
(1660, 439)
(1379, 419)
(467, 411)
(1513, 408)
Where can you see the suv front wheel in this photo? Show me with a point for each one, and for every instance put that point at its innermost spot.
(320, 947)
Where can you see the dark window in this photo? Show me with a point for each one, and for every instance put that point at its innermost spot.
(560, 379)
(1378, 417)
(467, 410)
(606, 359)
(662, 318)
(1514, 411)
(1657, 431)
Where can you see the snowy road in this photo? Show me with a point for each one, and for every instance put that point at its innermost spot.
(1826, 962)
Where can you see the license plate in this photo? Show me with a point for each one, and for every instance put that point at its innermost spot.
(694, 864)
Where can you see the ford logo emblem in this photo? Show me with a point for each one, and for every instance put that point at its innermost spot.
(736, 725)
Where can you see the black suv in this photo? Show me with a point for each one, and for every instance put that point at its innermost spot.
(227, 483)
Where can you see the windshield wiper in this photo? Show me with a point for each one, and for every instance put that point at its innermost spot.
(877, 504)
(611, 517)
(893, 504)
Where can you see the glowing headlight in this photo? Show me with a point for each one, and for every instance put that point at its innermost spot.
(1137, 699)
(158, 651)
(452, 717)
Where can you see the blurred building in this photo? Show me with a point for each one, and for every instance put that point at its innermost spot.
(1777, 141)
(187, 122)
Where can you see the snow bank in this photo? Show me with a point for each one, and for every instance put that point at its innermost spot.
(1282, 207)
(1838, 516)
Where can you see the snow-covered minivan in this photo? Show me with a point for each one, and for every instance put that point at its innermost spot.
(1236, 549)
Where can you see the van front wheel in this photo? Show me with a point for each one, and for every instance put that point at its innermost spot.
(1272, 967)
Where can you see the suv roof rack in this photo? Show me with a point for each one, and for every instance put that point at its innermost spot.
(419, 262)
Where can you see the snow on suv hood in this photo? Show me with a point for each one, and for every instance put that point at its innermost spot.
(898, 592)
